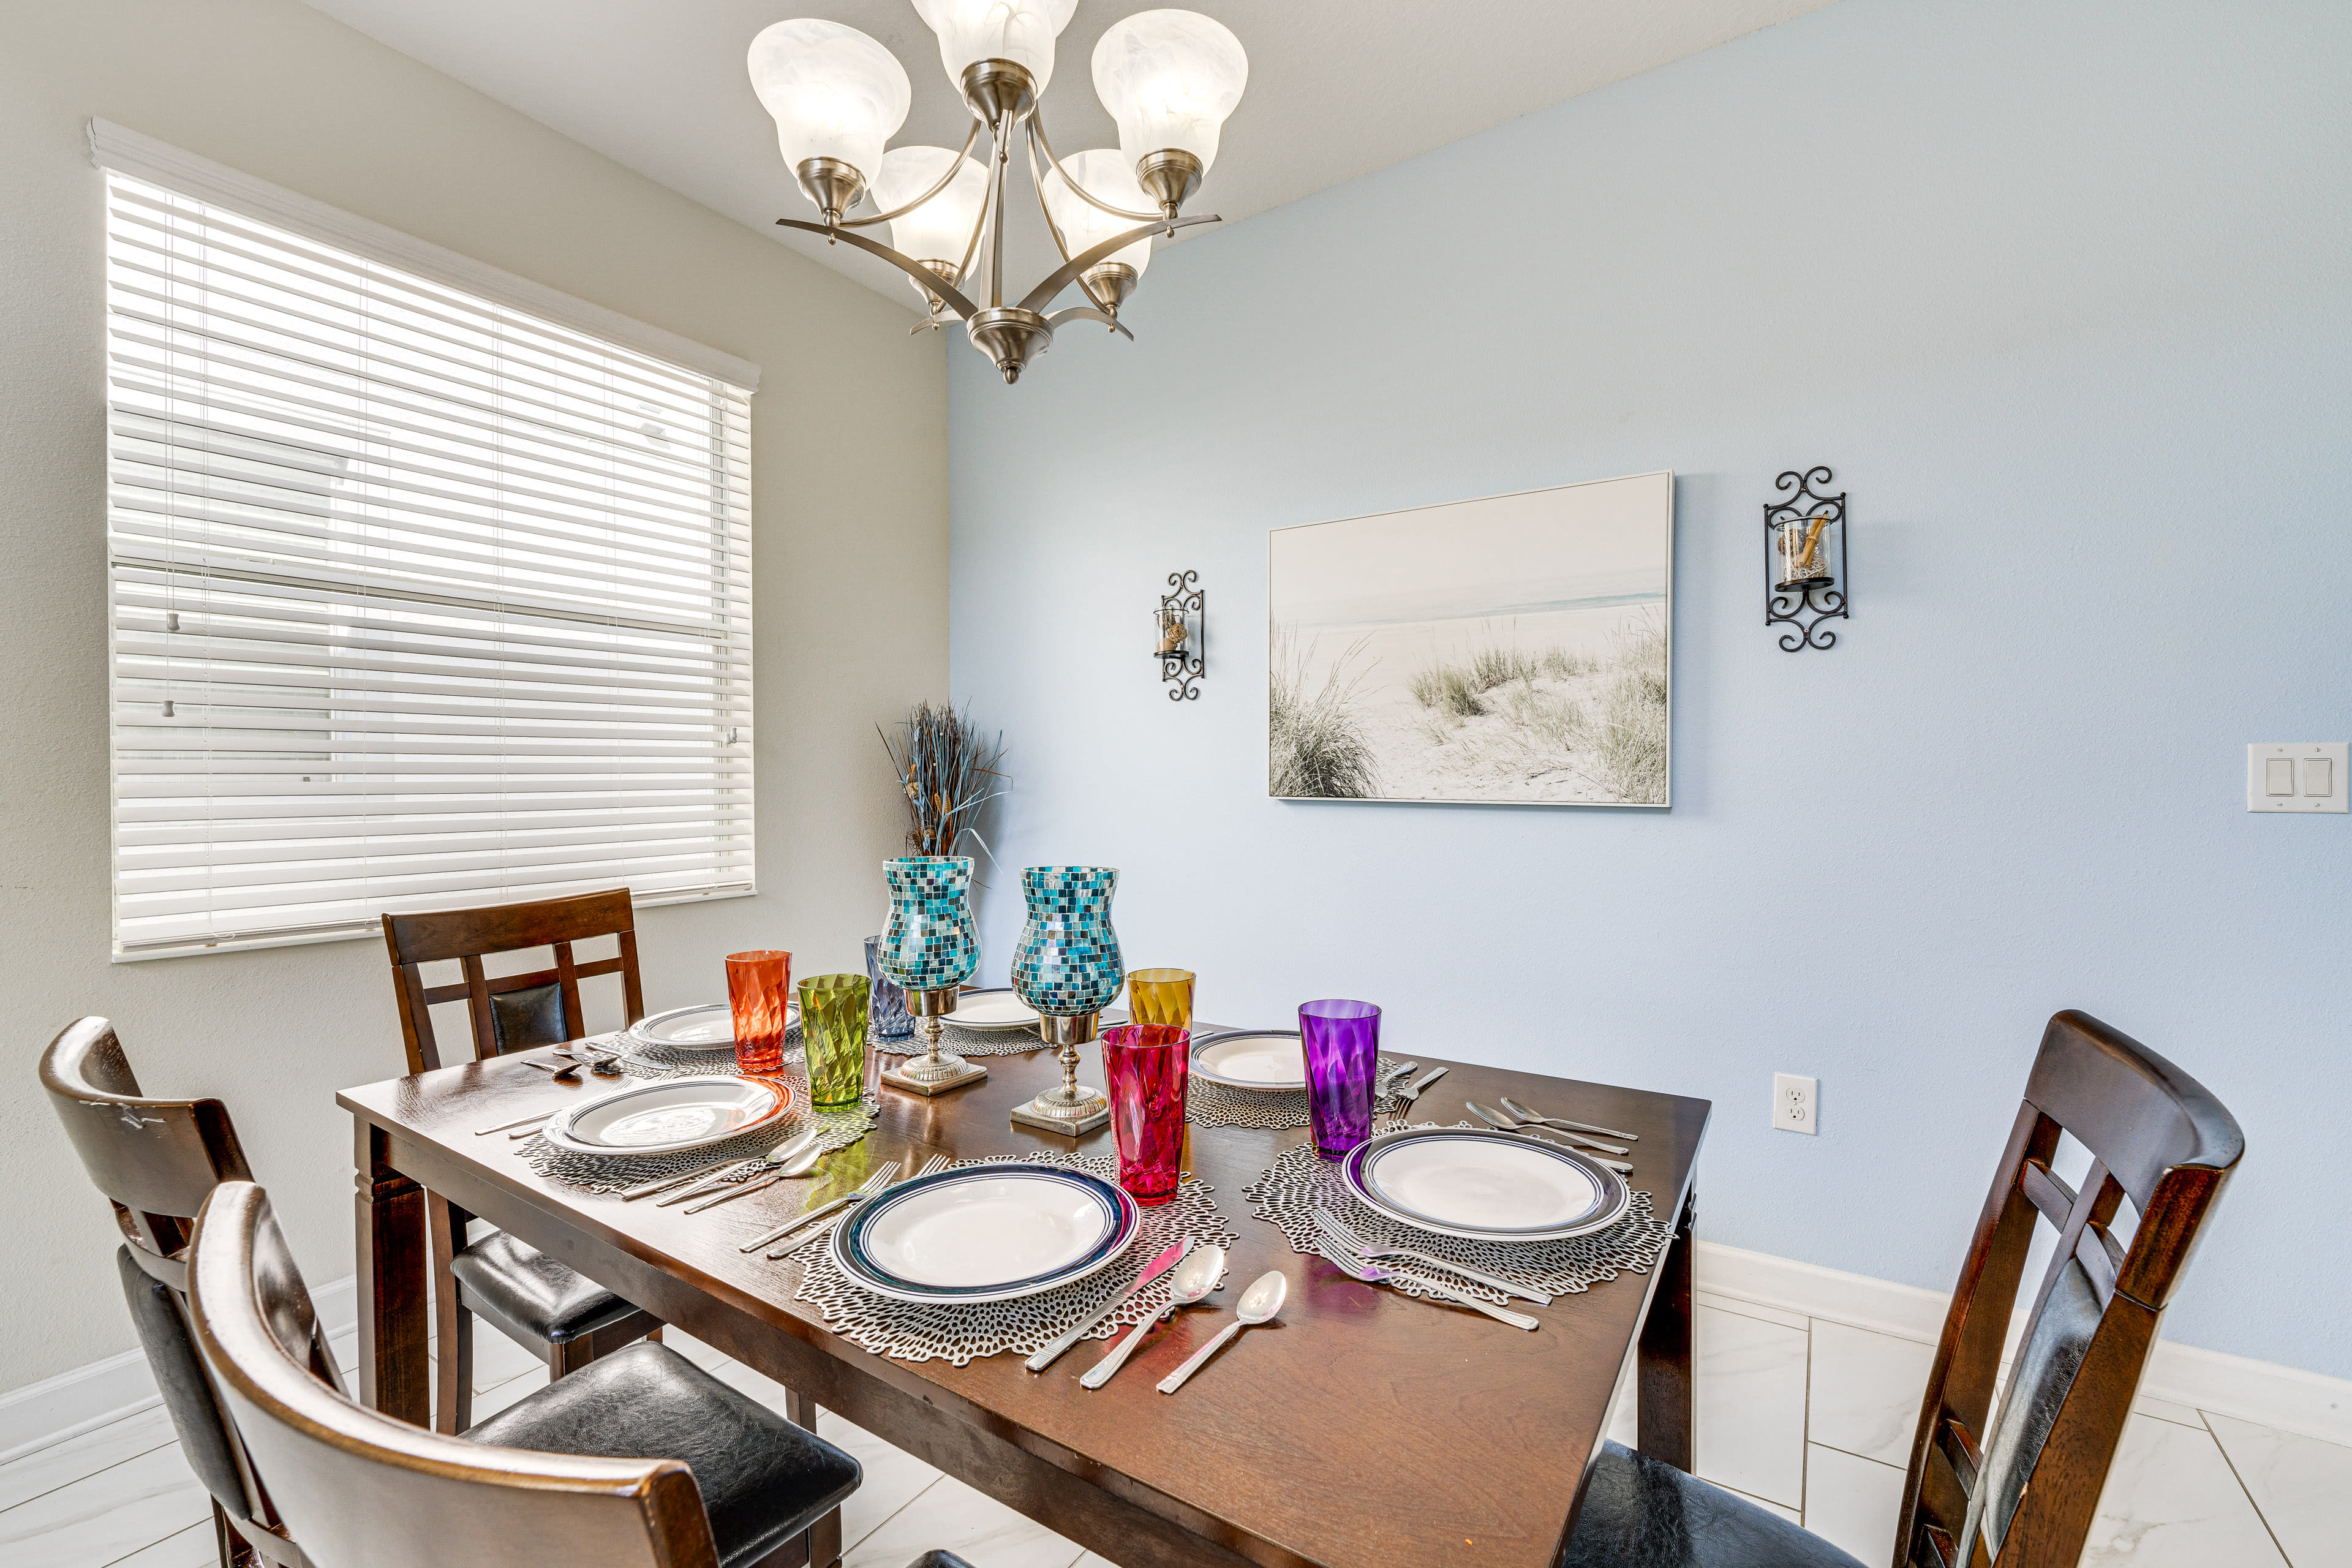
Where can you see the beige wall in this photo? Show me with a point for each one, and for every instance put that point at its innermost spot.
(850, 466)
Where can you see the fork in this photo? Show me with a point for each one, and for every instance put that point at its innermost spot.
(1496, 1120)
(932, 1166)
(882, 1177)
(1336, 1228)
(1393, 1080)
(1347, 1262)
(1524, 1114)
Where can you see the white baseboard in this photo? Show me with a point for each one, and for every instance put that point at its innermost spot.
(91, 1396)
(2285, 1397)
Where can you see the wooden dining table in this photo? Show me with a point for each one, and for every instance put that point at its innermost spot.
(1363, 1429)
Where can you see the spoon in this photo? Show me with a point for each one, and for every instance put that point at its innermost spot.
(1187, 1282)
(1259, 1303)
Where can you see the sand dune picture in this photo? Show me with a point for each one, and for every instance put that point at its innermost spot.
(1509, 650)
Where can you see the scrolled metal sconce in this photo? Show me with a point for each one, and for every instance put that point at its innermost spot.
(1806, 578)
(1182, 625)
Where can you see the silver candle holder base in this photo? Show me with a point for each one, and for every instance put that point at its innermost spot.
(1073, 1110)
(935, 1071)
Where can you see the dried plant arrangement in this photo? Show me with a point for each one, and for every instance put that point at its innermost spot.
(947, 772)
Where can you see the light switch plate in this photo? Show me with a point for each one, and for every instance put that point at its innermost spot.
(2283, 775)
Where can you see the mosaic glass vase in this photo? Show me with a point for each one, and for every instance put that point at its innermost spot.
(1067, 967)
(928, 950)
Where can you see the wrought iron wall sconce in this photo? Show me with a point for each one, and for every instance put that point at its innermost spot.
(1806, 581)
(1182, 625)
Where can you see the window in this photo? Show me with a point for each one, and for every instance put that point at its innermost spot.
(419, 600)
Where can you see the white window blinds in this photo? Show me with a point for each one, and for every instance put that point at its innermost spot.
(419, 601)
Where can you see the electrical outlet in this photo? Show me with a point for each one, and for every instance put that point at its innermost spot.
(1796, 1103)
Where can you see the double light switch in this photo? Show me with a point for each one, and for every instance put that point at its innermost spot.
(2285, 777)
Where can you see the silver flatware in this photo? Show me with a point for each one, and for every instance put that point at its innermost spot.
(1372, 1274)
(865, 1189)
(1392, 1078)
(1519, 1123)
(1258, 1304)
(568, 1073)
(511, 1126)
(1191, 1280)
(1169, 1257)
(799, 1162)
(936, 1164)
(1524, 1114)
(783, 1154)
(1413, 1093)
(1496, 1120)
(1338, 1230)
(675, 1178)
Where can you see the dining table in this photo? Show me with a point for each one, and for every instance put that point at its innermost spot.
(1362, 1428)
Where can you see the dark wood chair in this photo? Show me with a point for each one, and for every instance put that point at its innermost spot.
(156, 1161)
(548, 1307)
(641, 1460)
(2022, 1492)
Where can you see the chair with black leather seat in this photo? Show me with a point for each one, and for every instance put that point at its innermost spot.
(156, 1161)
(2022, 1493)
(639, 1460)
(547, 1307)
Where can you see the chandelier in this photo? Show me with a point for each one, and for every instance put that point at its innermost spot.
(1169, 78)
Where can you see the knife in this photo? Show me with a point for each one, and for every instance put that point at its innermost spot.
(1169, 1258)
(1413, 1092)
(1499, 1125)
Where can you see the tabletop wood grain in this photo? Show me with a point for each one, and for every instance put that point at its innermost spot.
(1365, 1429)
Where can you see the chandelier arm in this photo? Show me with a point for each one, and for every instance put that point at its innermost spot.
(1089, 313)
(1037, 133)
(953, 169)
(1070, 270)
(962, 309)
(1062, 245)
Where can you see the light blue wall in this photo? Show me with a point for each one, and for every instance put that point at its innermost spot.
(2063, 291)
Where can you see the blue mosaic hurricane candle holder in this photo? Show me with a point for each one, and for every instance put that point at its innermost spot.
(1067, 967)
(928, 950)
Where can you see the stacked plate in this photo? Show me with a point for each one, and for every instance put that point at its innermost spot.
(1485, 1186)
(988, 1233)
(992, 1009)
(669, 1116)
(705, 1026)
(1269, 1061)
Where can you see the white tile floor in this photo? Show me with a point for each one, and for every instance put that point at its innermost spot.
(1807, 1418)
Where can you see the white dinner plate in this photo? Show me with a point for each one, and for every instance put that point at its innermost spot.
(994, 1009)
(1268, 1060)
(669, 1115)
(1485, 1186)
(705, 1026)
(987, 1232)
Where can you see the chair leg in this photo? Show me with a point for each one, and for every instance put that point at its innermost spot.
(234, 1551)
(453, 1402)
(825, 1541)
(570, 1355)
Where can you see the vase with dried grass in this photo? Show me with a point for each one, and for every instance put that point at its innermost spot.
(948, 771)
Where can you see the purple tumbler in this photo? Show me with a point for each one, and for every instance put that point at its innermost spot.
(1342, 1040)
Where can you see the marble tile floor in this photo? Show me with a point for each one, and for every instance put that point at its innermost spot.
(1809, 1418)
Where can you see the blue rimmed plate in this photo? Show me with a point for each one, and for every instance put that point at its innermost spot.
(990, 1233)
(1485, 1186)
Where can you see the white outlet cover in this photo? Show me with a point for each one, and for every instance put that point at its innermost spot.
(1796, 1103)
(2296, 776)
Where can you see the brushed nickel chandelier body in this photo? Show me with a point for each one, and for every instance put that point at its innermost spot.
(1169, 80)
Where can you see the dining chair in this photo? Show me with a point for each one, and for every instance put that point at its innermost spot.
(156, 1161)
(640, 1460)
(2019, 1493)
(548, 1307)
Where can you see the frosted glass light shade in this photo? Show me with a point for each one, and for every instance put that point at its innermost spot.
(940, 229)
(1107, 176)
(1022, 31)
(834, 92)
(1170, 79)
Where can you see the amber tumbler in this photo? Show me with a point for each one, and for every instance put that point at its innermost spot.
(757, 984)
(1161, 996)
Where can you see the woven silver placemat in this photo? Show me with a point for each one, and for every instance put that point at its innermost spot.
(837, 1130)
(1287, 1195)
(1210, 1104)
(647, 1059)
(968, 1042)
(906, 1331)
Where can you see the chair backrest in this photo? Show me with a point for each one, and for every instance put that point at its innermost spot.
(358, 1488)
(2022, 1493)
(155, 1160)
(510, 1012)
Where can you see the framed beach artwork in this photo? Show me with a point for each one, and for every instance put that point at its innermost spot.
(1510, 651)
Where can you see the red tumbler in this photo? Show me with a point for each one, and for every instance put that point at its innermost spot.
(1148, 1065)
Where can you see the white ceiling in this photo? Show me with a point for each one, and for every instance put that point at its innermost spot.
(1337, 87)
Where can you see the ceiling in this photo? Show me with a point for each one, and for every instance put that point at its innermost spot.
(1337, 87)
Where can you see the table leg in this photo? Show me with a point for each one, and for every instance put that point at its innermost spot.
(824, 1535)
(1668, 1415)
(392, 1308)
